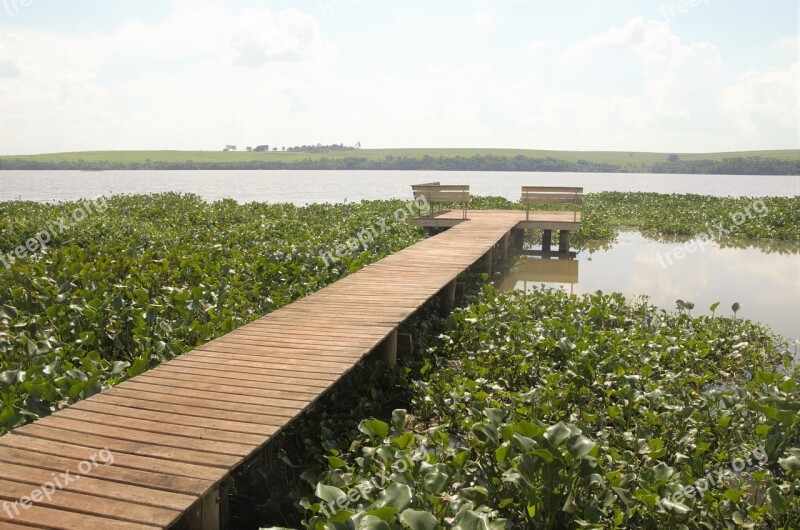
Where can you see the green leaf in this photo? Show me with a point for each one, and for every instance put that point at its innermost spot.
(777, 500)
(790, 463)
(418, 520)
(675, 507)
(396, 495)
(328, 493)
(386, 513)
(579, 446)
(8, 311)
(399, 419)
(557, 434)
(374, 427)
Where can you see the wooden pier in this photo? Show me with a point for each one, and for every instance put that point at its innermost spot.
(177, 431)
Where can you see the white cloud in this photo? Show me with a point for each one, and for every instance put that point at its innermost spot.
(203, 72)
(536, 47)
(211, 73)
(482, 19)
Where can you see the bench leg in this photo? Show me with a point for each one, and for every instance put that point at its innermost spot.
(547, 239)
(563, 241)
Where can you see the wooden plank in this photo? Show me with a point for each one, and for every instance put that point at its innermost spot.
(179, 454)
(556, 189)
(231, 400)
(56, 519)
(289, 397)
(218, 425)
(104, 489)
(154, 397)
(11, 492)
(202, 476)
(154, 478)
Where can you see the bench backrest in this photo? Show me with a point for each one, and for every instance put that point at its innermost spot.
(551, 195)
(436, 193)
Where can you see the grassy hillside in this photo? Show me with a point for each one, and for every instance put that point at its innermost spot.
(779, 162)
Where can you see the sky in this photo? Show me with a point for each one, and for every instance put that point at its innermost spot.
(671, 76)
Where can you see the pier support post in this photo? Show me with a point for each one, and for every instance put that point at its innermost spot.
(563, 241)
(460, 286)
(504, 246)
(547, 238)
(487, 262)
(388, 349)
(205, 514)
(447, 299)
(405, 344)
(518, 235)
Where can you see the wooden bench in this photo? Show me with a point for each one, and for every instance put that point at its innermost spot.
(435, 193)
(551, 195)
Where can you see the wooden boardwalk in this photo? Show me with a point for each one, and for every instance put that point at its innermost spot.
(177, 431)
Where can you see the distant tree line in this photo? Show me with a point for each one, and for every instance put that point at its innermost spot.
(318, 148)
(728, 166)
(754, 165)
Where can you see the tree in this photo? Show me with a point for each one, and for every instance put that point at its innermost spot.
(230, 148)
(249, 148)
(672, 158)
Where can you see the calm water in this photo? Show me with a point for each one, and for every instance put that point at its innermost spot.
(766, 285)
(301, 187)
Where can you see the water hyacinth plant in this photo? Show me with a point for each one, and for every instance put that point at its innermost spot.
(554, 411)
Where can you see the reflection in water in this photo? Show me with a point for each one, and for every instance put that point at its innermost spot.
(530, 272)
(766, 285)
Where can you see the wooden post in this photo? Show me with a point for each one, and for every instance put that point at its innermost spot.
(504, 246)
(487, 262)
(519, 238)
(460, 286)
(388, 349)
(563, 241)
(224, 503)
(405, 344)
(547, 238)
(205, 513)
(447, 299)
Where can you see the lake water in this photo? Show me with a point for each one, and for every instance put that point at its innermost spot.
(767, 285)
(301, 187)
